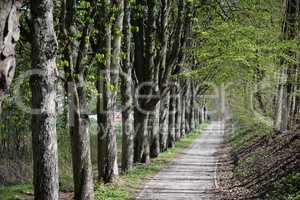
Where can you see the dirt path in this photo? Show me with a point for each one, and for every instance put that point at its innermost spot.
(191, 175)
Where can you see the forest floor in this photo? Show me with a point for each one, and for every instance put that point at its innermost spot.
(256, 162)
(191, 174)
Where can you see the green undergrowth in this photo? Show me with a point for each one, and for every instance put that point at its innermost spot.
(244, 135)
(288, 188)
(124, 187)
(15, 192)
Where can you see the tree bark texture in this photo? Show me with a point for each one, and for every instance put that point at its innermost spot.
(192, 107)
(43, 81)
(142, 146)
(183, 112)
(127, 94)
(164, 121)
(289, 30)
(172, 118)
(178, 116)
(188, 107)
(9, 36)
(75, 53)
(155, 143)
(107, 138)
(144, 66)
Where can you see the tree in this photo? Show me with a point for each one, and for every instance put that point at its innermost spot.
(290, 30)
(143, 65)
(9, 36)
(127, 93)
(43, 86)
(75, 54)
(104, 115)
(107, 149)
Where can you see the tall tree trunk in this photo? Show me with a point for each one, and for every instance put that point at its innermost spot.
(295, 118)
(142, 146)
(178, 116)
(104, 116)
(142, 143)
(196, 115)
(44, 138)
(155, 140)
(289, 30)
(165, 70)
(192, 107)
(183, 112)
(127, 93)
(117, 28)
(78, 118)
(164, 121)
(80, 141)
(155, 144)
(107, 137)
(9, 36)
(281, 120)
(172, 118)
(188, 107)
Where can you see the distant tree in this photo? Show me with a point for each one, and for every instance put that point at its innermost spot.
(287, 80)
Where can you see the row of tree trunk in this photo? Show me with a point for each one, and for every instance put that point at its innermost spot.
(158, 108)
(287, 98)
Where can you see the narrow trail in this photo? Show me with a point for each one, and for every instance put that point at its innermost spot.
(191, 175)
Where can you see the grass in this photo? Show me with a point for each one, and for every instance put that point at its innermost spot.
(247, 134)
(15, 192)
(124, 187)
(288, 188)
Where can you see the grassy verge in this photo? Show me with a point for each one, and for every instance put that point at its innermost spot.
(15, 192)
(126, 184)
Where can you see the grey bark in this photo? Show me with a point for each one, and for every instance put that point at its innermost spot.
(165, 70)
(9, 36)
(104, 116)
(43, 122)
(142, 146)
(281, 120)
(188, 107)
(144, 72)
(192, 107)
(183, 112)
(127, 94)
(196, 118)
(289, 30)
(117, 28)
(164, 122)
(107, 138)
(172, 118)
(155, 144)
(294, 110)
(178, 116)
(78, 118)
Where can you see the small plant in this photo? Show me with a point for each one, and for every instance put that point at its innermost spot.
(288, 188)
